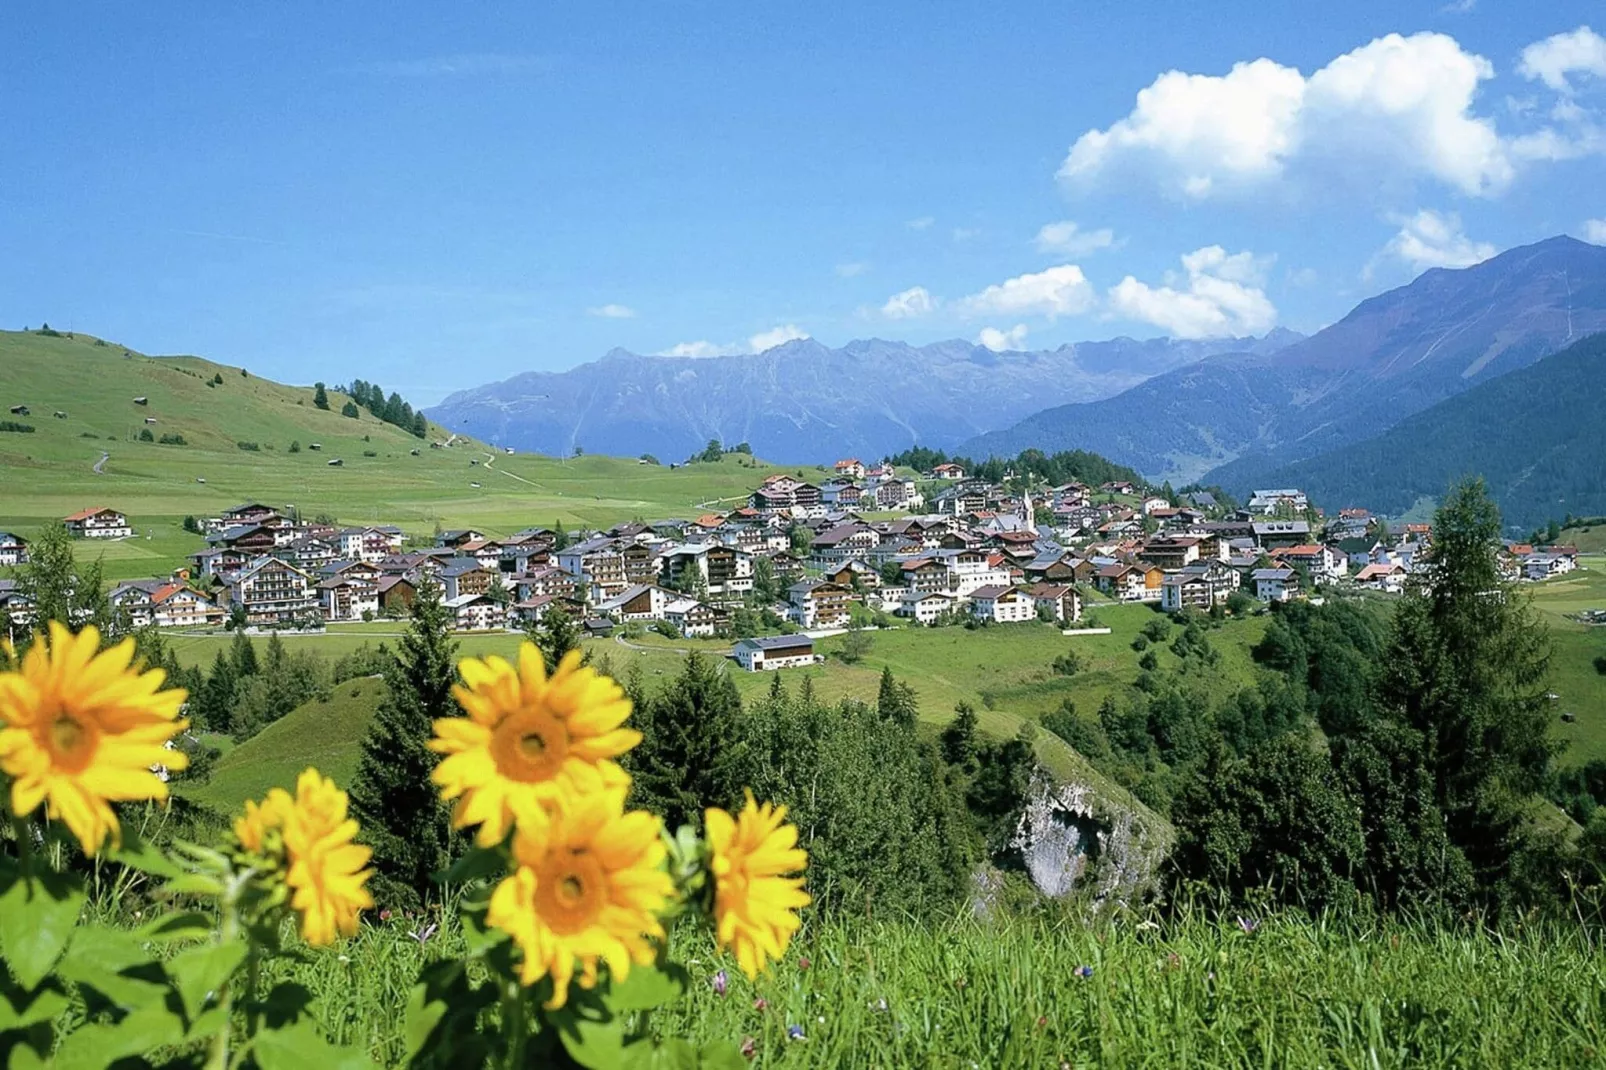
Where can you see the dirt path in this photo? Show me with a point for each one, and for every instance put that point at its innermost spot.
(100, 465)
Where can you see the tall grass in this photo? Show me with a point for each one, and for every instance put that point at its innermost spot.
(1192, 992)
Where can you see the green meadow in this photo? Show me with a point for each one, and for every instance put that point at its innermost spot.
(1579, 686)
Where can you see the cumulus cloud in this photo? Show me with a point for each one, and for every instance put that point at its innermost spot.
(775, 336)
(1000, 341)
(1216, 295)
(1553, 60)
(1404, 102)
(909, 304)
(1068, 239)
(1595, 231)
(758, 343)
(1429, 239)
(612, 312)
(1056, 291)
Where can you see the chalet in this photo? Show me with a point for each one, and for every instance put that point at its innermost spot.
(693, 619)
(1359, 551)
(546, 581)
(856, 574)
(396, 595)
(99, 523)
(476, 613)
(1171, 552)
(272, 592)
(220, 562)
(1119, 486)
(948, 471)
(464, 576)
(13, 549)
(133, 598)
(1271, 502)
(16, 609)
(840, 494)
(724, 571)
(1002, 605)
(897, 493)
(1122, 581)
(843, 542)
(817, 604)
(643, 562)
(851, 468)
(596, 563)
(455, 537)
(247, 513)
(1270, 534)
(925, 607)
(1322, 562)
(1060, 600)
(177, 605)
(251, 539)
(488, 552)
(1153, 504)
(1387, 576)
(309, 554)
(639, 603)
(369, 544)
(773, 652)
(1542, 566)
(787, 566)
(1181, 590)
(1275, 584)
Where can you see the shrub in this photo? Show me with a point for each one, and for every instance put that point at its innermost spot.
(1140, 644)
(249, 447)
(1068, 664)
(295, 446)
(369, 453)
(173, 440)
(19, 428)
(146, 436)
(87, 434)
(1600, 664)
(349, 409)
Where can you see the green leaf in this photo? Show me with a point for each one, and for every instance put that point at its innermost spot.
(20, 1008)
(37, 914)
(646, 987)
(201, 972)
(94, 1046)
(137, 854)
(598, 1044)
(180, 925)
(115, 965)
(302, 1046)
(480, 863)
(194, 884)
(721, 1055)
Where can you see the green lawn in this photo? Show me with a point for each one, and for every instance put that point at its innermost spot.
(1579, 686)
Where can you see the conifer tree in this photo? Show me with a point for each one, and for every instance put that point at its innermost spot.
(896, 702)
(555, 634)
(392, 797)
(243, 657)
(959, 739)
(681, 764)
(320, 397)
(217, 695)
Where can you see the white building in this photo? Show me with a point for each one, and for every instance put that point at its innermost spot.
(1003, 605)
(476, 613)
(773, 652)
(925, 608)
(1275, 584)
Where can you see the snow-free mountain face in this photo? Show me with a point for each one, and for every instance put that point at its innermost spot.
(1233, 417)
(806, 402)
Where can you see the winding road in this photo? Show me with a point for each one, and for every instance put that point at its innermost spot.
(100, 465)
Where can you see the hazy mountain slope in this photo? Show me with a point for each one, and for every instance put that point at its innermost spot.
(1393, 355)
(804, 401)
(1538, 435)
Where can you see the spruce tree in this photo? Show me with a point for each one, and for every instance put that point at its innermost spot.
(896, 702)
(320, 396)
(959, 739)
(681, 764)
(392, 797)
(243, 657)
(217, 695)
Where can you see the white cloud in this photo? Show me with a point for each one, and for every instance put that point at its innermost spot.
(1000, 340)
(922, 223)
(1218, 295)
(912, 303)
(775, 336)
(852, 269)
(1068, 239)
(1404, 102)
(1458, 7)
(1581, 51)
(1056, 291)
(1429, 239)
(694, 349)
(1595, 231)
(612, 312)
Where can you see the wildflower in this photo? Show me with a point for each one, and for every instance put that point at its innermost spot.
(1084, 972)
(529, 739)
(588, 885)
(1042, 1021)
(326, 874)
(795, 1032)
(384, 915)
(721, 980)
(749, 1047)
(754, 902)
(80, 729)
(760, 1003)
(878, 1005)
(423, 933)
(803, 963)
(1248, 925)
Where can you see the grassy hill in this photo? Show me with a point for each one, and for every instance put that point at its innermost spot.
(53, 471)
(325, 733)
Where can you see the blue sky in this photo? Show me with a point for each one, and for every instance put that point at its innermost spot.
(439, 195)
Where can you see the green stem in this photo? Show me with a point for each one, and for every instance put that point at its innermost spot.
(514, 1027)
(24, 835)
(228, 931)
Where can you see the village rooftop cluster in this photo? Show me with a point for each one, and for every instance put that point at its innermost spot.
(798, 562)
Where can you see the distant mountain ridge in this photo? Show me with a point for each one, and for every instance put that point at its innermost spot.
(1233, 418)
(806, 402)
(1538, 436)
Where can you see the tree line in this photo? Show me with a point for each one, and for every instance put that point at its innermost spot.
(390, 409)
(1066, 466)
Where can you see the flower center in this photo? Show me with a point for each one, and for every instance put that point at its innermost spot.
(570, 891)
(530, 745)
(70, 741)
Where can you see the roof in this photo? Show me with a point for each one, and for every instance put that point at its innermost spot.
(8, 539)
(990, 593)
(461, 566)
(1273, 574)
(776, 642)
(87, 513)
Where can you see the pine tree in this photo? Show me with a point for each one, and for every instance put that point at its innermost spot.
(420, 425)
(896, 702)
(959, 739)
(243, 657)
(216, 700)
(680, 766)
(392, 797)
(320, 397)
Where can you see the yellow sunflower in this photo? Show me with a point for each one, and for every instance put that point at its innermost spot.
(324, 868)
(528, 740)
(754, 900)
(588, 886)
(81, 729)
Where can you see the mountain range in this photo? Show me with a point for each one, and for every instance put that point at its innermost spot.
(804, 402)
(1236, 418)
